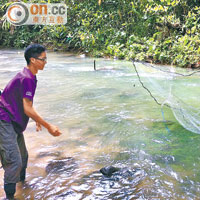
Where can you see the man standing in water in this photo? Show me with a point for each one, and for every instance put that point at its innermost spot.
(16, 107)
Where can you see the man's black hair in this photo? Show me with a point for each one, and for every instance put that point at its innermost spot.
(33, 51)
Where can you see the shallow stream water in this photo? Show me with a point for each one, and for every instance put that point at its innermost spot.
(106, 118)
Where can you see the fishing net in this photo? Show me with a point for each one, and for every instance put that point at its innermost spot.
(175, 88)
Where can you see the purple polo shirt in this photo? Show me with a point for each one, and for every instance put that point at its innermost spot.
(23, 85)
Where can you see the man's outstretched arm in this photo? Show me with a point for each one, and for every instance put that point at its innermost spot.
(31, 112)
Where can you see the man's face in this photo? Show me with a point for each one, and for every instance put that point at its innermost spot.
(40, 61)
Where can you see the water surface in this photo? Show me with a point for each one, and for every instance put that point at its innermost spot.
(107, 118)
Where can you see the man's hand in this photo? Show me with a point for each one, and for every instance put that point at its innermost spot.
(53, 130)
(38, 127)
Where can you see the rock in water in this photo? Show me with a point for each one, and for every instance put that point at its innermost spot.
(66, 165)
(124, 174)
(109, 170)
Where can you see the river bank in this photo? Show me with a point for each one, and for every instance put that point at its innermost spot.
(165, 32)
(82, 53)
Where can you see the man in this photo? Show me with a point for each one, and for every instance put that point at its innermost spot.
(16, 107)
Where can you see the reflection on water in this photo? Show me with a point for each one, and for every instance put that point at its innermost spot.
(107, 119)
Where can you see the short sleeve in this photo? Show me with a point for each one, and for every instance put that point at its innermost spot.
(28, 88)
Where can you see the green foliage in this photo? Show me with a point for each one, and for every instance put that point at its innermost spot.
(165, 31)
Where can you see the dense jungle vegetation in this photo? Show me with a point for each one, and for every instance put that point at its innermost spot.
(162, 31)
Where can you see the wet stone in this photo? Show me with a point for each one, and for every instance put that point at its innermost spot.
(125, 175)
(62, 165)
(122, 183)
(109, 170)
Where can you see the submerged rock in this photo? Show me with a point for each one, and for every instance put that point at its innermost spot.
(62, 165)
(109, 170)
(122, 174)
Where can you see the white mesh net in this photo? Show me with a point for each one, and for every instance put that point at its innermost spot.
(179, 89)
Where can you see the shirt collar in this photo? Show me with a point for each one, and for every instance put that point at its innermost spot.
(29, 73)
